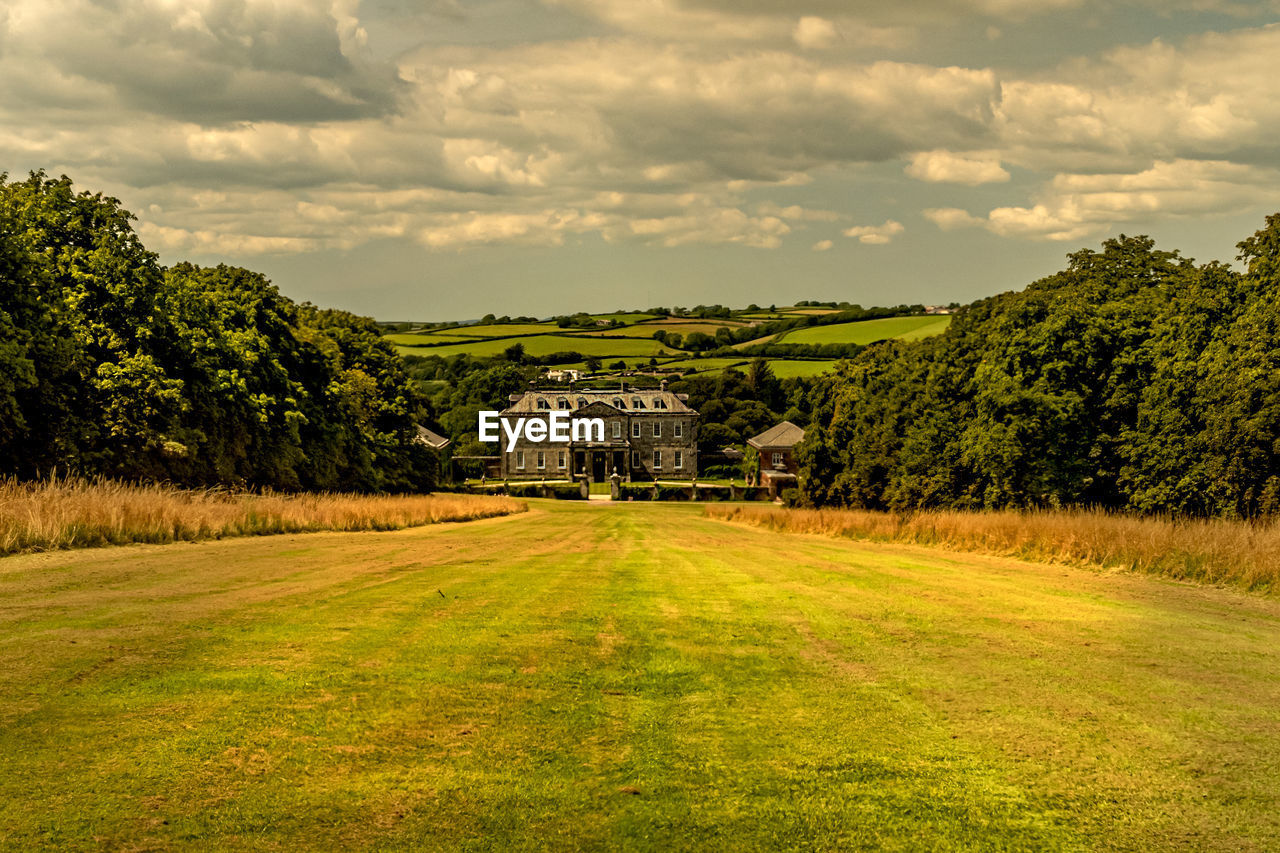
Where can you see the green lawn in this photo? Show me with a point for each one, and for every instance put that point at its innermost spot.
(633, 677)
(869, 331)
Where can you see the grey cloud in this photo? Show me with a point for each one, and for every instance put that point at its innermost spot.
(213, 61)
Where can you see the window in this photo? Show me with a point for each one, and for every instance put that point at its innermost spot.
(657, 459)
(562, 403)
(543, 404)
(679, 459)
(657, 428)
(637, 403)
(617, 403)
(582, 402)
(777, 460)
(519, 458)
(564, 460)
(542, 459)
(635, 429)
(659, 403)
(635, 459)
(679, 431)
(617, 429)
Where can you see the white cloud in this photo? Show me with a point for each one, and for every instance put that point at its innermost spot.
(814, 33)
(822, 246)
(1074, 206)
(951, 218)
(797, 213)
(876, 235)
(968, 169)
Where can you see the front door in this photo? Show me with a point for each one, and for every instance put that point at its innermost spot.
(597, 466)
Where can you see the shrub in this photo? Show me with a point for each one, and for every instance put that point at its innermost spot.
(672, 493)
(566, 491)
(635, 491)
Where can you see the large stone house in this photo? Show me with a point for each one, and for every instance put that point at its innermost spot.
(648, 435)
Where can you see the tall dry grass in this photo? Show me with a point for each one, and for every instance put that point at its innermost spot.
(71, 513)
(1240, 553)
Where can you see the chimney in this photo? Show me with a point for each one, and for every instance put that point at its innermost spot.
(624, 386)
(663, 385)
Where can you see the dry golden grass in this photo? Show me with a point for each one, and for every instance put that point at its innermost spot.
(55, 514)
(1241, 553)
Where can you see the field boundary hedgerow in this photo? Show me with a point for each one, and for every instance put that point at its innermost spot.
(58, 514)
(1213, 551)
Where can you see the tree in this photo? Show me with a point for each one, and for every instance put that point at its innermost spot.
(115, 366)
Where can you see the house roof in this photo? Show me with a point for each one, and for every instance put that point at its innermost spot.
(433, 440)
(647, 401)
(785, 434)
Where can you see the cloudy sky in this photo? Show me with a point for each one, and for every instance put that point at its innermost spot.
(445, 158)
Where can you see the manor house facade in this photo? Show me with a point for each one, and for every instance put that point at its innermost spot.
(648, 435)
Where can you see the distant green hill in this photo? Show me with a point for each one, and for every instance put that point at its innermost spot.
(633, 341)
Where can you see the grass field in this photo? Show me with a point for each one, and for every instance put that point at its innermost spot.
(784, 368)
(702, 365)
(646, 330)
(425, 339)
(546, 344)
(869, 331)
(625, 316)
(500, 330)
(626, 677)
(70, 513)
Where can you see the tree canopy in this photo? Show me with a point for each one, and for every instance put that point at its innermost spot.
(1134, 379)
(113, 365)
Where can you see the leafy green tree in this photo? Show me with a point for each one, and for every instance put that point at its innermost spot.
(115, 366)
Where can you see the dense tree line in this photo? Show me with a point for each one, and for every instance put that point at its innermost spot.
(111, 364)
(1134, 379)
(734, 405)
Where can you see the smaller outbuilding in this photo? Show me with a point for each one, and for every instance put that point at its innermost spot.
(778, 467)
(431, 439)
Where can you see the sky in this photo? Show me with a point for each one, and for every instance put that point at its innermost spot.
(443, 159)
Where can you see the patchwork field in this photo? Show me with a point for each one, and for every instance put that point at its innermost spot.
(634, 341)
(541, 345)
(646, 330)
(869, 331)
(627, 677)
(411, 339)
